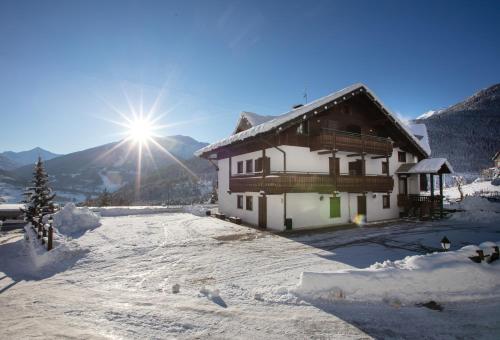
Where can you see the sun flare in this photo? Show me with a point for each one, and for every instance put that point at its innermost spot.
(140, 130)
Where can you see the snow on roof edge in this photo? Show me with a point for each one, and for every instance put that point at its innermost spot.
(287, 116)
(430, 165)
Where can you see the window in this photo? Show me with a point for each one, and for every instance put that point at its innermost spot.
(353, 128)
(385, 168)
(240, 167)
(249, 166)
(356, 168)
(249, 202)
(258, 165)
(386, 201)
(402, 156)
(334, 207)
(240, 201)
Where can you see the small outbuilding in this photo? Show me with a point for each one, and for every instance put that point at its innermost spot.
(11, 212)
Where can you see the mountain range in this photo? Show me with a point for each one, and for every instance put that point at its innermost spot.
(467, 133)
(10, 160)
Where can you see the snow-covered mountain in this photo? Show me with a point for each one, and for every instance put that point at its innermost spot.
(467, 133)
(7, 164)
(21, 158)
(429, 114)
(110, 166)
(172, 184)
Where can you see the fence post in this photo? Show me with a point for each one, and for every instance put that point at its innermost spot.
(49, 239)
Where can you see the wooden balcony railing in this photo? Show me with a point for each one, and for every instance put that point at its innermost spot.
(350, 142)
(278, 183)
(418, 201)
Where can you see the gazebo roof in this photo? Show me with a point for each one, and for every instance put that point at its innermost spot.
(427, 166)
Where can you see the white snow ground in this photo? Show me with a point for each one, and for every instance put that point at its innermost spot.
(233, 282)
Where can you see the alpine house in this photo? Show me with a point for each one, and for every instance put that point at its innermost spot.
(340, 159)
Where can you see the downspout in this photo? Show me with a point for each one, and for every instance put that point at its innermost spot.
(284, 170)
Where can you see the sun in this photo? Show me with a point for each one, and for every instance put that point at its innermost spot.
(140, 130)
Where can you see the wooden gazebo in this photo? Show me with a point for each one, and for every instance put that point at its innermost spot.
(432, 167)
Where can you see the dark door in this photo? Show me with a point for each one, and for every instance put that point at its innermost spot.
(263, 212)
(362, 205)
(334, 165)
(403, 186)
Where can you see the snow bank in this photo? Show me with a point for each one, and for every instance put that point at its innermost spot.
(442, 277)
(70, 219)
(195, 209)
(63, 249)
(476, 209)
(135, 210)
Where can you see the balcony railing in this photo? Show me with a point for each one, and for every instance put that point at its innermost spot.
(350, 142)
(408, 201)
(278, 183)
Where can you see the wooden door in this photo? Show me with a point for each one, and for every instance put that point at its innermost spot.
(403, 186)
(263, 212)
(362, 205)
(334, 166)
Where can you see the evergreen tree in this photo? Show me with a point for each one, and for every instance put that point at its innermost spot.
(40, 195)
(29, 209)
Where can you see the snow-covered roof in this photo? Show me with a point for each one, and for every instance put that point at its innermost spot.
(420, 131)
(276, 122)
(11, 207)
(426, 166)
(252, 118)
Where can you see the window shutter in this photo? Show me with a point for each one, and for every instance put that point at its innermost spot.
(334, 207)
(258, 164)
(267, 165)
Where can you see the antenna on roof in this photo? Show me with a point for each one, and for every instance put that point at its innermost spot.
(305, 94)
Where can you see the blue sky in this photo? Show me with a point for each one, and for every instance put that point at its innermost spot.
(63, 64)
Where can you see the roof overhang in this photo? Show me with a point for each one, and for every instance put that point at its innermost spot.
(427, 166)
(306, 111)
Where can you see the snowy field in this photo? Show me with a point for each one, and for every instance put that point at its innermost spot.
(115, 281)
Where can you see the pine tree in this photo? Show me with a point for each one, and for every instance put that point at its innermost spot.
(40, 195)
(29, 209)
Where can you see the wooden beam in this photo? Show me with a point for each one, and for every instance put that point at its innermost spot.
(432, 194)
(378, 157)
(355, 155)
(441, 195)
(324, 152)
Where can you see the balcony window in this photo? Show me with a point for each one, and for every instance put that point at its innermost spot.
(386, 201)
(356, 168)
(249, 166)
(239, 201)
(402, 156)
(385, 168)
(334, 207)
(353, 128)
(249, 203)
(239, 167)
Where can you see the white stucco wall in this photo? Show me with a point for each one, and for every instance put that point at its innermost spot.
(275, 215)
(306, 209)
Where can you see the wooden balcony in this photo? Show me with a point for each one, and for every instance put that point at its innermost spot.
(328, 139)
(407, 201)
(278, 183)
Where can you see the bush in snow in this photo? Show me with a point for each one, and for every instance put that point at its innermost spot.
(71, 220)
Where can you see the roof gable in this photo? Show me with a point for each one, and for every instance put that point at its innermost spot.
(277, 122)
